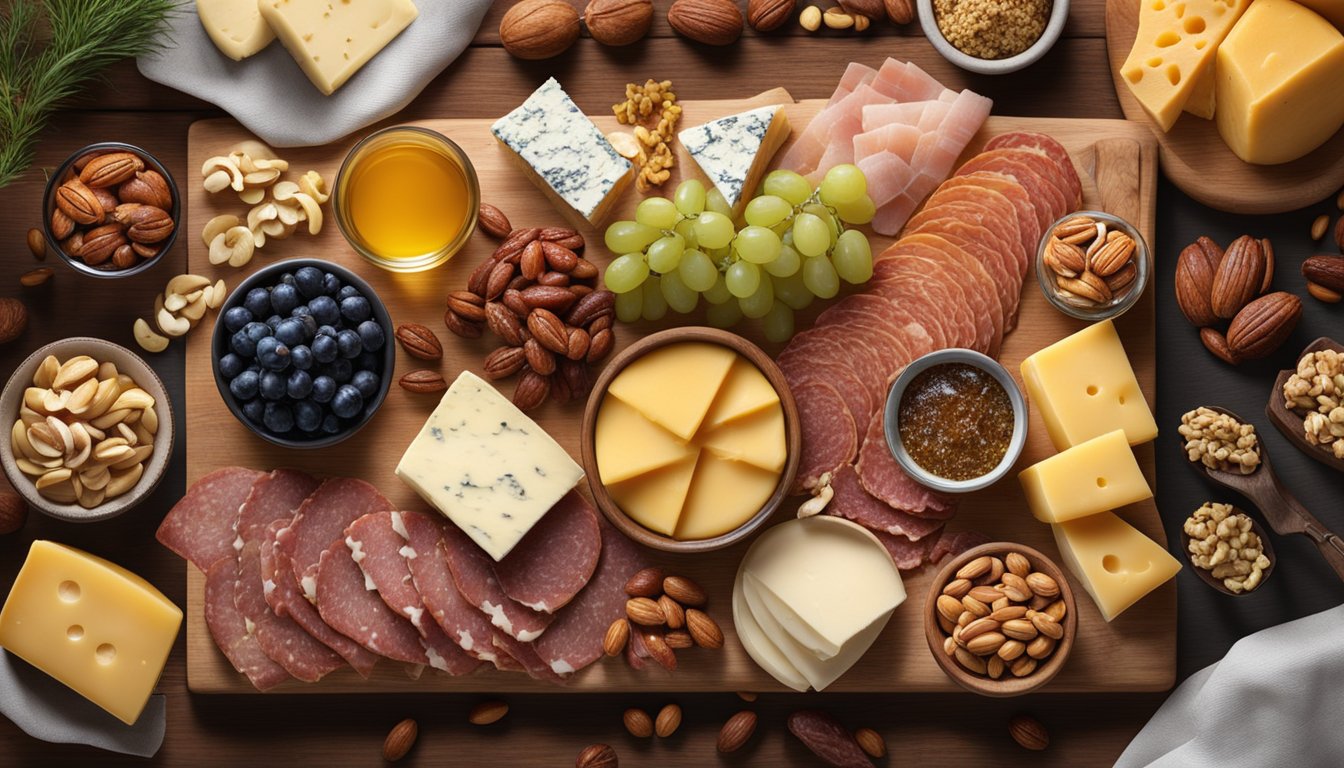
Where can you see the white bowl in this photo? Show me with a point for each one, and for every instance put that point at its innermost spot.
(1059, 15)
(127, 362)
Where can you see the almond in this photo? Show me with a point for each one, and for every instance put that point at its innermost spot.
(533, 262)
(514, 243)
(419, 341)
(900, 11)
(590, 308)
(539, 29)
(576, 376)
(596, 756)
(645, 612)
(1064, 258)
(618, 22)
(584, 270)
(503, 323)
(110, 169)
(1263, 325)
(1028, 732)
(498, 280)
(400, 740)
(1325, 271)
(548, 297)
(1321, 293)
(618, 634)
(1113, 256)
(493, 221)
(704, 630)
(61, 225)
(679, 639)
(558, 257)
(737, 731)
(487, 712)
(1238, 278)
(871, 742)
(766, 15)
(37, 244)
(548, 330)
(712, 22)
(579, 341)
(684, 591)
(538, 358)
(423, 382)
(531, 391)
(668, 721)
(660, 651)
(645, 583)
(673, 612)
(638, 723)
(476, 282)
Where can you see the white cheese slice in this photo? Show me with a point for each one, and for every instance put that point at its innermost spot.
(332, 40)
(486, 466)
(759, 647)
(565, 153)
(734, 151)
(235, 26)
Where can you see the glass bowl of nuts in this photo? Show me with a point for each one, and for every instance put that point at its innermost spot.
(111, 210)
(1000, 619)
(1092, 265)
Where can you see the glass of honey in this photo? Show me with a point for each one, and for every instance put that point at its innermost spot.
(407, 198)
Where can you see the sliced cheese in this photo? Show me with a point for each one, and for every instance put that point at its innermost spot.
(734, 151)
(757, 440)
(1087, 479)
(723, 495)
(91, 624)
(235, 26)
(758, 646)
(744, 392)
(674, 386)
(655, 499)
(628, 445)
(1116, 563)
(331, 41)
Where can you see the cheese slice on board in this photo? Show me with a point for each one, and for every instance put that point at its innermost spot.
(674, 386)
(1096, 476)
(759, 647)
(235, 26)
(1115, 562)
(734, 151)
(628, 445)
(655, 499)
(331, 41)
(744, 392)
(724, 494)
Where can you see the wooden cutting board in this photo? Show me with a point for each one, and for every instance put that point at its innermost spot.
(1195, 158)
(1137, 652)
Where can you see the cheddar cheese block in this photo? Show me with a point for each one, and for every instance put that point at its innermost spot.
(1092, 477)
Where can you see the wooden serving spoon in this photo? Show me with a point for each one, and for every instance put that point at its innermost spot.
(1207, 575)
(1289, 422)
(1283, 511)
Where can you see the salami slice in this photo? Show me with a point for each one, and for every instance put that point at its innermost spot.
(555, 559)
(526, 655)
(446, 655)
(275, 496)
(830, 438)
(828, 739)
(881, 476)
(349, 605)
(230, 631)
(853, 502)
(954, 543)
(322, 519)
(376, 546)
(284, 641)
(474, 573)
(200, 527)
(1048, 146)
(909, 555)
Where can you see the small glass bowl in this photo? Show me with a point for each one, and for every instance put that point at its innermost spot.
(59, 177)
(1118, 305)
(405, 135)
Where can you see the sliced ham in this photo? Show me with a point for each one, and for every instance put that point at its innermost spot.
(555, 559)
(200, 527)
(473, 572)
(899, 139)
(230, 631)
(303, 656)
(322, 519)
(351, 606)
(856, 74)
(905, 81)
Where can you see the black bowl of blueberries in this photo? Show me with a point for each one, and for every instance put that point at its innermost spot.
(303, 353)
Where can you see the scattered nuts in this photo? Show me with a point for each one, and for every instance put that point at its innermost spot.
(13, 319)
(747, 696)
(400, 740)
(487, 712)
(539, 29)
(645, 612)
(493, 221)
(618, 634)
(871, 742)
(704, 630)
(712, 22)
(1028, 732)
(645, 583)
(37, 244)
(1320, 226)
(767, 15)
(423, 382)
(597, 756)
(638, 723)
(147, 338)
(419, 341)
(1219, 441)
(736, 732)
(668, 721)
(35, 277)
(810, 18)
(618, 22)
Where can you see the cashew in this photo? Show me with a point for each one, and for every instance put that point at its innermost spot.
(234, 247)
(217, 225)
(225, 164)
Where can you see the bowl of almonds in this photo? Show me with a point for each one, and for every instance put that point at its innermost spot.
(111, 210)
(90, 429)
(1000, 619)
(1092, 265)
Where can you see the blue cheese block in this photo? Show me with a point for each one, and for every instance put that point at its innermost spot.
(486, 466)
(734, 151)
(565, 153)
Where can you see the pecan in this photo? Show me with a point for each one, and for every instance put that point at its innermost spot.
(513, 299)
(1113, 255)
(576, 376)
(476, 283)
(601, 345)
(100, 243)
(423, 382)
(144, 223)
(552, 234)
(110, 169)
(589, 308)
(549, 297)
(579, 341)
(531, 391)
(419, 341)
(1239, 277)
(498, 280)
(504, 362)
(1195, 269)
(77, 201)
(538, 357)
(584, 270)
(147, 188)
(460, 327)
(61, 225)
(106, 199)
(557, 279)
(1263, 325)
(146, 250)
(560, 390)
(515, 242)
(548, 330)
(503, 323)
(467, 305)
(1064, 258)
(125, 257)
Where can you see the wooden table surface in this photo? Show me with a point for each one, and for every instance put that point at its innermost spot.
(543, 729)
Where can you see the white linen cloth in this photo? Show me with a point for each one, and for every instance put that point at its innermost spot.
(1276, 699)
(275, 100)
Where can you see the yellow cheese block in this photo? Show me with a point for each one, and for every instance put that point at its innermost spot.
(235, 26)
(331, 41)
(1332, 10)
(724, 494)
(674, 386)
(628, 445)
(1116, 564)
(1279, 80)
(1087, 479)
(1084, 386)
(1203, 101)
(655, 499)
(1176, 39)
(744, 392)
(93, 625)
(757, 440)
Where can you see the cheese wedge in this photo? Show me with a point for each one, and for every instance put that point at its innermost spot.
(744, 392)
(656, 499)
(734, 151)
(331, 41)
(628, 445)
(1115, 562)
(1089, 478)
(235, 26)
(674, 386)
(757, 440)
(723, 495)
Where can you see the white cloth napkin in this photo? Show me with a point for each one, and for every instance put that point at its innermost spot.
(271, 96)
(1276, 699)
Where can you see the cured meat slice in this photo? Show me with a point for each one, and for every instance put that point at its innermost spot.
(349, 605)
(950, 543)
(896, 138)
(907, 554)
(905, 81)
(853, 502)
(844, 116)
(1028, 225)
(283, 640)
(830, 438)
(575, 639)
(322, 519)
(988, 311)
(526, 655)
(275, 496)
(1047, 145)
(230, 631)
(460, 620)
(555, 559)
(1029, 171)
(856, 74)
(200, 526)
(881, 476)
(984, 191)
(286, 600)
(888, 177)
(446, 655)
(376, 546)
(474, 573)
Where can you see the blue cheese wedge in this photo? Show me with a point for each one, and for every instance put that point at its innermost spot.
(734, 151)
(565, 153)
(486, 466)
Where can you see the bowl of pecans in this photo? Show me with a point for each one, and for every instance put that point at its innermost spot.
(1093, 266)
(1001, 619)
(990, 37)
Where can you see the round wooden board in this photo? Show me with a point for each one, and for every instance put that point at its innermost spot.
(1195, 158)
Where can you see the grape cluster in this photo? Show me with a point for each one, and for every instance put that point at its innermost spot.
(792, 247)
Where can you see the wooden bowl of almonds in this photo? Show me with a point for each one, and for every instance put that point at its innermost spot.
(90, 429)
(1001, 619)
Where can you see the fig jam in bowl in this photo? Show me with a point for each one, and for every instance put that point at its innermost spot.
(955, 420)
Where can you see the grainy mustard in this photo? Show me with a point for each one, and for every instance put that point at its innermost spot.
(991, 29)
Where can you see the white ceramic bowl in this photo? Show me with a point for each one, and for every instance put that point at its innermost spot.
(1059, 15)
(127, 362)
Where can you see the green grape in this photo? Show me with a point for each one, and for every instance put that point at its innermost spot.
(853, 258)
(686, 228)
(742, 278)
(788, 185)
(655, 306)
(697, 271)
(825, 214)
(630, 237)
(767, 211)
(860, 211)
(760, 301)
(657, 212)
(757, 245)
(791, 291)
(629, 306)
(713, 230)
(819, 277)
(716, 202)
(724, 315)
(787, 263)
(690, 197)
(625, 273)
(665, 253)
(843, 184)
(718, 293)
(679, 297)
(778, 323)
(811, 237)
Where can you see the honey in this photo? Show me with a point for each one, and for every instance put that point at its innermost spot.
(956, 421)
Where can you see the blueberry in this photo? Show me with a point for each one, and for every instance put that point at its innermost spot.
(340, 369)
(309, 282)
(348, 402)
(301, 311)
(258, 302)
(301, 357)
(236, 317)
(324, 388)
(299, 386)
(244, 386)
(330, 424)
(253, 409)
(368, 361)
(325, 349)
(307, 415)
(278, 418)
(242, 344)
(356, 309)
(367, 382)
(272, 354)
(273, 322)
(371, 335)
(290, 332)
(325, 310)
(331, 284)
(257, 331)
(347, 292)
(347, 341)
(286, 279)
(309, 326)
(325, 330)
(284, 298)
(231, 365)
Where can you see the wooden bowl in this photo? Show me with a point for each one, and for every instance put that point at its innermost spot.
(588, 448)
(127, 362)
(1206, 576)
(1289, 422)
(1006, 685)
